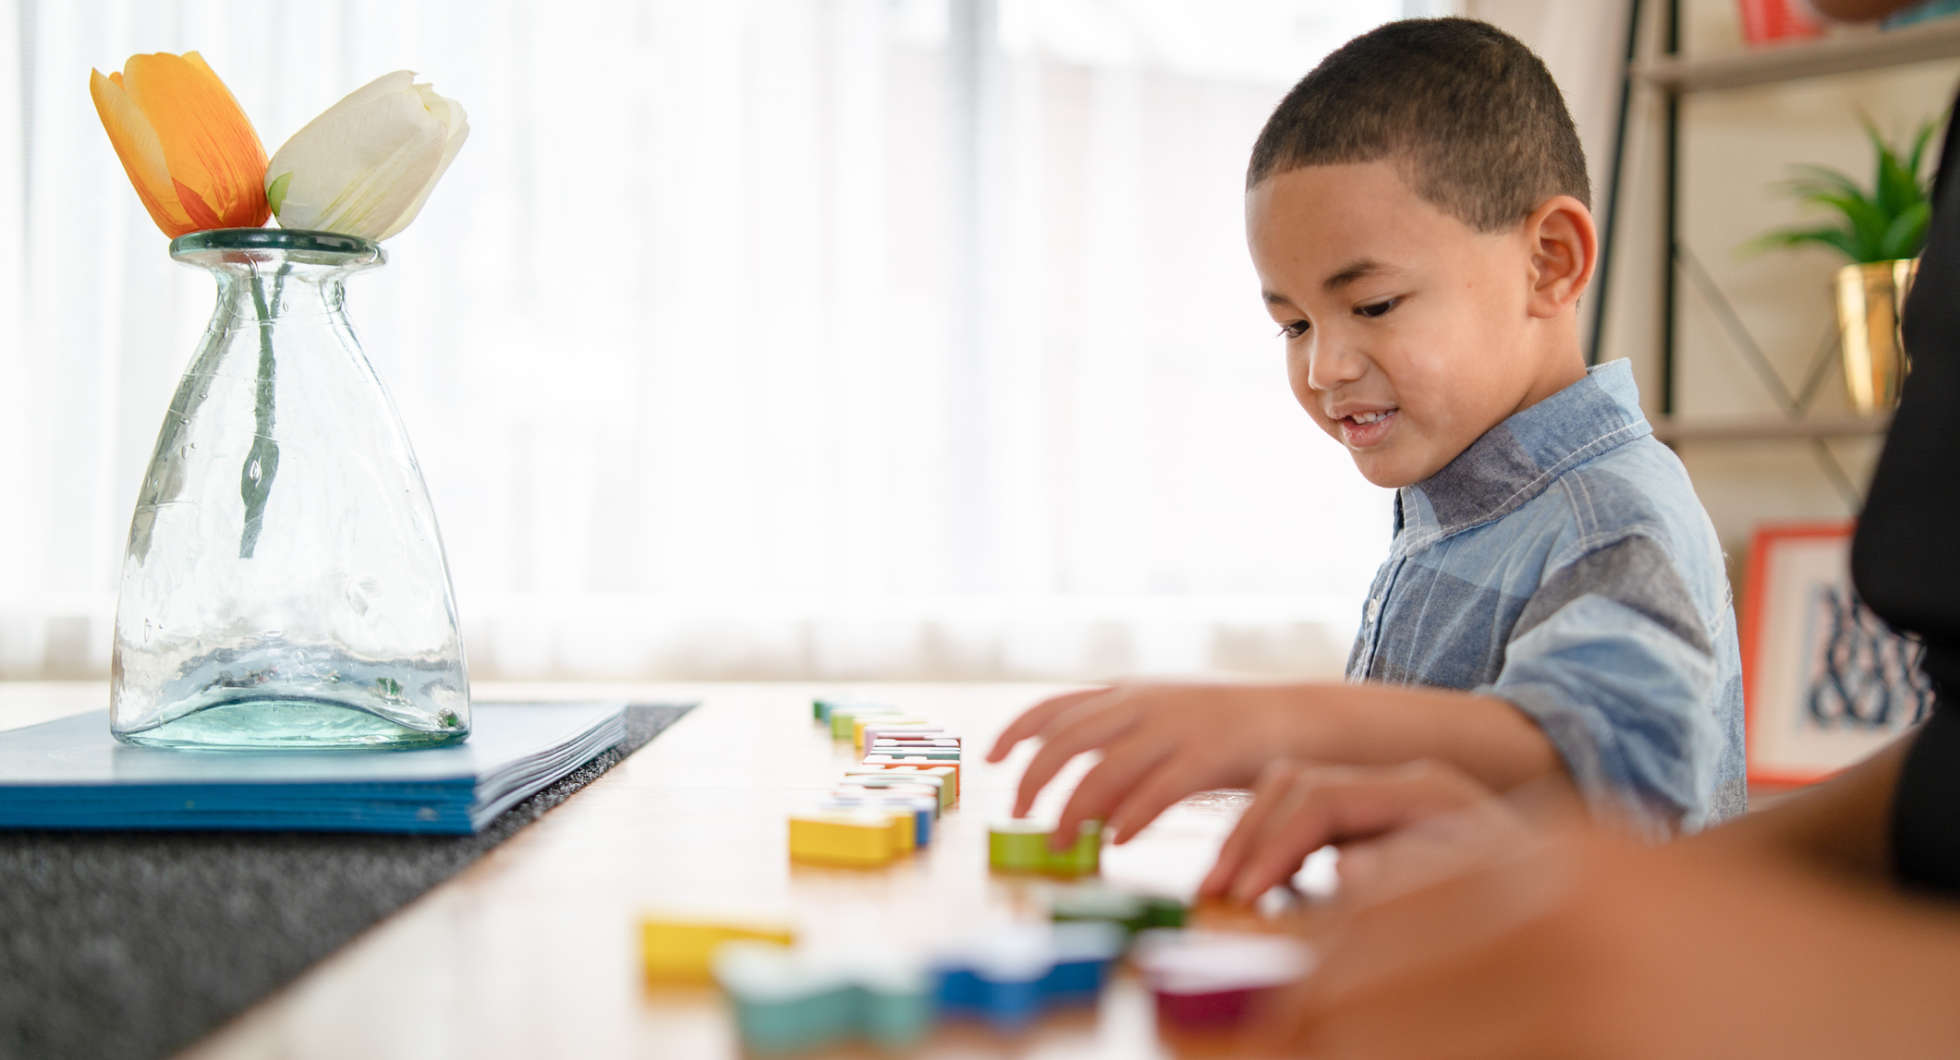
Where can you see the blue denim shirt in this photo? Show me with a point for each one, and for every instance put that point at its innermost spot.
(1562, 563)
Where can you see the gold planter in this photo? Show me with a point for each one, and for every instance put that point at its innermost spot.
(1870, 298)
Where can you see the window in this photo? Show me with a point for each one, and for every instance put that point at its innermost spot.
(858, 338)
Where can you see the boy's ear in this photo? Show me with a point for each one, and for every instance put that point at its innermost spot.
(1564, 248)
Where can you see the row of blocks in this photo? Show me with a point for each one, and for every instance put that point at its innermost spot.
(904, 751)
(887, 807)
(787, 1000)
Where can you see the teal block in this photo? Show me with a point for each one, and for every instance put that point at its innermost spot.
(790, 1000)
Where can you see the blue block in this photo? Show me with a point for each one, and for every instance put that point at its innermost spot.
(1011, 978)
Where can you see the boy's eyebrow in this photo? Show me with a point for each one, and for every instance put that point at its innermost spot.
(1353, 271)
(1358, 269)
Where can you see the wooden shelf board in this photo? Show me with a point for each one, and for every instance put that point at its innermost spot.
(1769, 428)
(1845, 53)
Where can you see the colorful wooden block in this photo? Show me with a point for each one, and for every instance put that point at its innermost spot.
(1213, 979)
(862, 838)
(843, 719)
(1022, 846)
(1009, 978)
(942, 785)
(886, 736)
(822, 709)
(908, 731)
(1093, 901)
(681, 950)
(860, 723)
(915, 815)
(900, 748)
(787, 1001)
(949, 770)
(901, 787)
(921, 761)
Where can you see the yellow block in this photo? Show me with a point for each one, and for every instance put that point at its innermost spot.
(683, 951)
(905, 823)
(863, 838)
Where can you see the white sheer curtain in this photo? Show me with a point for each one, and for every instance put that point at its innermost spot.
(846, 338)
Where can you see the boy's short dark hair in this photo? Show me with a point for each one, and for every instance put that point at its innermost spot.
(1470, 114)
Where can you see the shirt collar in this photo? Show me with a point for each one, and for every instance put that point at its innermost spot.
(1517, 459)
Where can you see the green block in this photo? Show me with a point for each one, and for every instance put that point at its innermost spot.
(844, 716)
(1022, 846)
(1131, 912)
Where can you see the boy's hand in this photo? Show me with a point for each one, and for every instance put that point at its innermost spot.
(1589, 945)
(1160, 743)
(1392, 821)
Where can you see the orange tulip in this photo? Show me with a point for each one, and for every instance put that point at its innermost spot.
(187, 147)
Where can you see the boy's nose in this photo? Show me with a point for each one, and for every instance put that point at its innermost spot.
(1333, 364)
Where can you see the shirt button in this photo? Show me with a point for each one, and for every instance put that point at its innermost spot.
(1374, 608)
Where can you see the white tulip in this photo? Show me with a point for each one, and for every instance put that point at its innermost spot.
(365, 166)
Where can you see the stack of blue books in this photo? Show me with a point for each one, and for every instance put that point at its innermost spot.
(71, 773)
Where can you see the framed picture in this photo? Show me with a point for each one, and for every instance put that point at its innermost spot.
(1826, 681)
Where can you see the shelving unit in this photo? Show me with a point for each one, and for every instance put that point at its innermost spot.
(1770, 427)
(1849, 53)
(1674, 76)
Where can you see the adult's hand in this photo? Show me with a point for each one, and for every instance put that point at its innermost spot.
(1405, 821)
(1586, 944)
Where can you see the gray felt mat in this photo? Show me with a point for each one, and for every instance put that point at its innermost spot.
(134, 944)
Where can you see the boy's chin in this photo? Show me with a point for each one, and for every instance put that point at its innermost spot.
(1387, 473)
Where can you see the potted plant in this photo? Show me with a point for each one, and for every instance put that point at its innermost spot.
(1880, 230)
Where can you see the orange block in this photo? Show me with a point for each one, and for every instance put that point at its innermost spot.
(917, 764)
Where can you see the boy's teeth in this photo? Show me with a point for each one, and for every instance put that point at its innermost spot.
(1368, 417)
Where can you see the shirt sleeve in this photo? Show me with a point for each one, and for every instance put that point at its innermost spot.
(1614, 662)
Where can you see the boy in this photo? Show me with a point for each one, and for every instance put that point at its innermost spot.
(1554, 604)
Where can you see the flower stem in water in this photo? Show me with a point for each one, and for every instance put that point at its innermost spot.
(262, 460)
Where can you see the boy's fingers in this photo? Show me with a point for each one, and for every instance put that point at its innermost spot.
(1102, 786)
(1245, 833)
(1186, 775)
(1337, 806)
(1298, 826)
(1091, 725)
(1037, 717)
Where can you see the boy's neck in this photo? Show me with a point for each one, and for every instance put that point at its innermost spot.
(1561, 364)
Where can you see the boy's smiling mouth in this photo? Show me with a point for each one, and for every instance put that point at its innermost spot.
(1364, 428)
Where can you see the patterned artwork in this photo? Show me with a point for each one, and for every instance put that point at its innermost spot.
(1827, 681)
(1862, 675)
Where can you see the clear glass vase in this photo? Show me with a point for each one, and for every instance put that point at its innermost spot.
(284, 585)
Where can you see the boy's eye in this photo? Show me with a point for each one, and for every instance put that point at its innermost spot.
(1375, 309)
(1294, 329)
